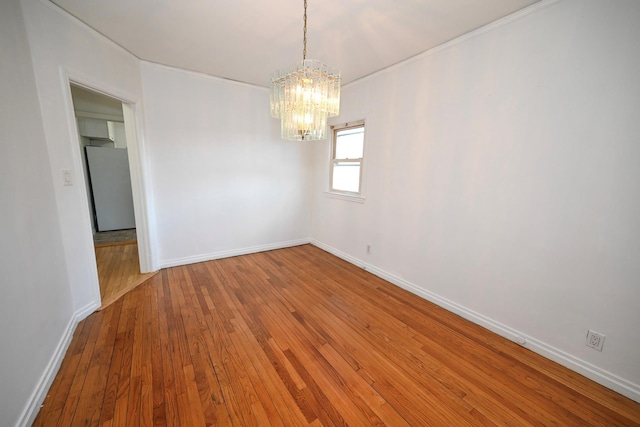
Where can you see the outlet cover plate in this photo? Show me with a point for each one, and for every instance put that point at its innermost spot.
(595, 340)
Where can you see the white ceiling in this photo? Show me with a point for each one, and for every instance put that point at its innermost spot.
(248, 40)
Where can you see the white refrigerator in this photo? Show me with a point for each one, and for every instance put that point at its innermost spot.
(111, 187)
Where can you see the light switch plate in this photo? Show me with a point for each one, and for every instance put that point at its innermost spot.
(66, 177)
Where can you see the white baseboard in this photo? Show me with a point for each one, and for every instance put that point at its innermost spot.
(34, 403)
(233, 252)
(601, 376)
(85, 311)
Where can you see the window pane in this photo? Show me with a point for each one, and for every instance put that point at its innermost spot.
(346, 177)
(350, 143)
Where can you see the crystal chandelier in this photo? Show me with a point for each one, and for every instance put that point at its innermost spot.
(303, 95)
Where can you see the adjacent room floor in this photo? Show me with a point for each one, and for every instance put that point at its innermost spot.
(297, 337)
(118, 264)
(116, 236)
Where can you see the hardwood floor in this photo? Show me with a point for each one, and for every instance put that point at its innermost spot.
(118, 270)
(299, 337)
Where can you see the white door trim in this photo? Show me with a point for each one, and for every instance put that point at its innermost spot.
(142, 201)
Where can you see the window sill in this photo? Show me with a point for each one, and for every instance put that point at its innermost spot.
(342, 196)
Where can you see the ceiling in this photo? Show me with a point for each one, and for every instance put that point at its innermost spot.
(248, 40)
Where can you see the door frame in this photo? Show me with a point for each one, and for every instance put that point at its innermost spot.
(142, 203)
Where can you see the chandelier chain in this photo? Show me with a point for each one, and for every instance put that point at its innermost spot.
(304, 42)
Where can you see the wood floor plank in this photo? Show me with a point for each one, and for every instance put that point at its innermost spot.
(169, 397)
(134, 405)
(92, 395)
(298, 337)
(122, 370)
(111, 389)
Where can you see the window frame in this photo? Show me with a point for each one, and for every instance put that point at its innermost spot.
(344, 194)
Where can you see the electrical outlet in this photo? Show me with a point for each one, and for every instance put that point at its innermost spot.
(368, 249)
(595, 340)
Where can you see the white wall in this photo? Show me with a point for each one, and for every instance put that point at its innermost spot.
(502, 181)
(63, 47)
(224, 182)
(35, 301)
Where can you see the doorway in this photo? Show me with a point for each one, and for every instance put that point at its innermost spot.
(101, 123)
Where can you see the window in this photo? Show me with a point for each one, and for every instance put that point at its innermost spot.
(346, 159)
